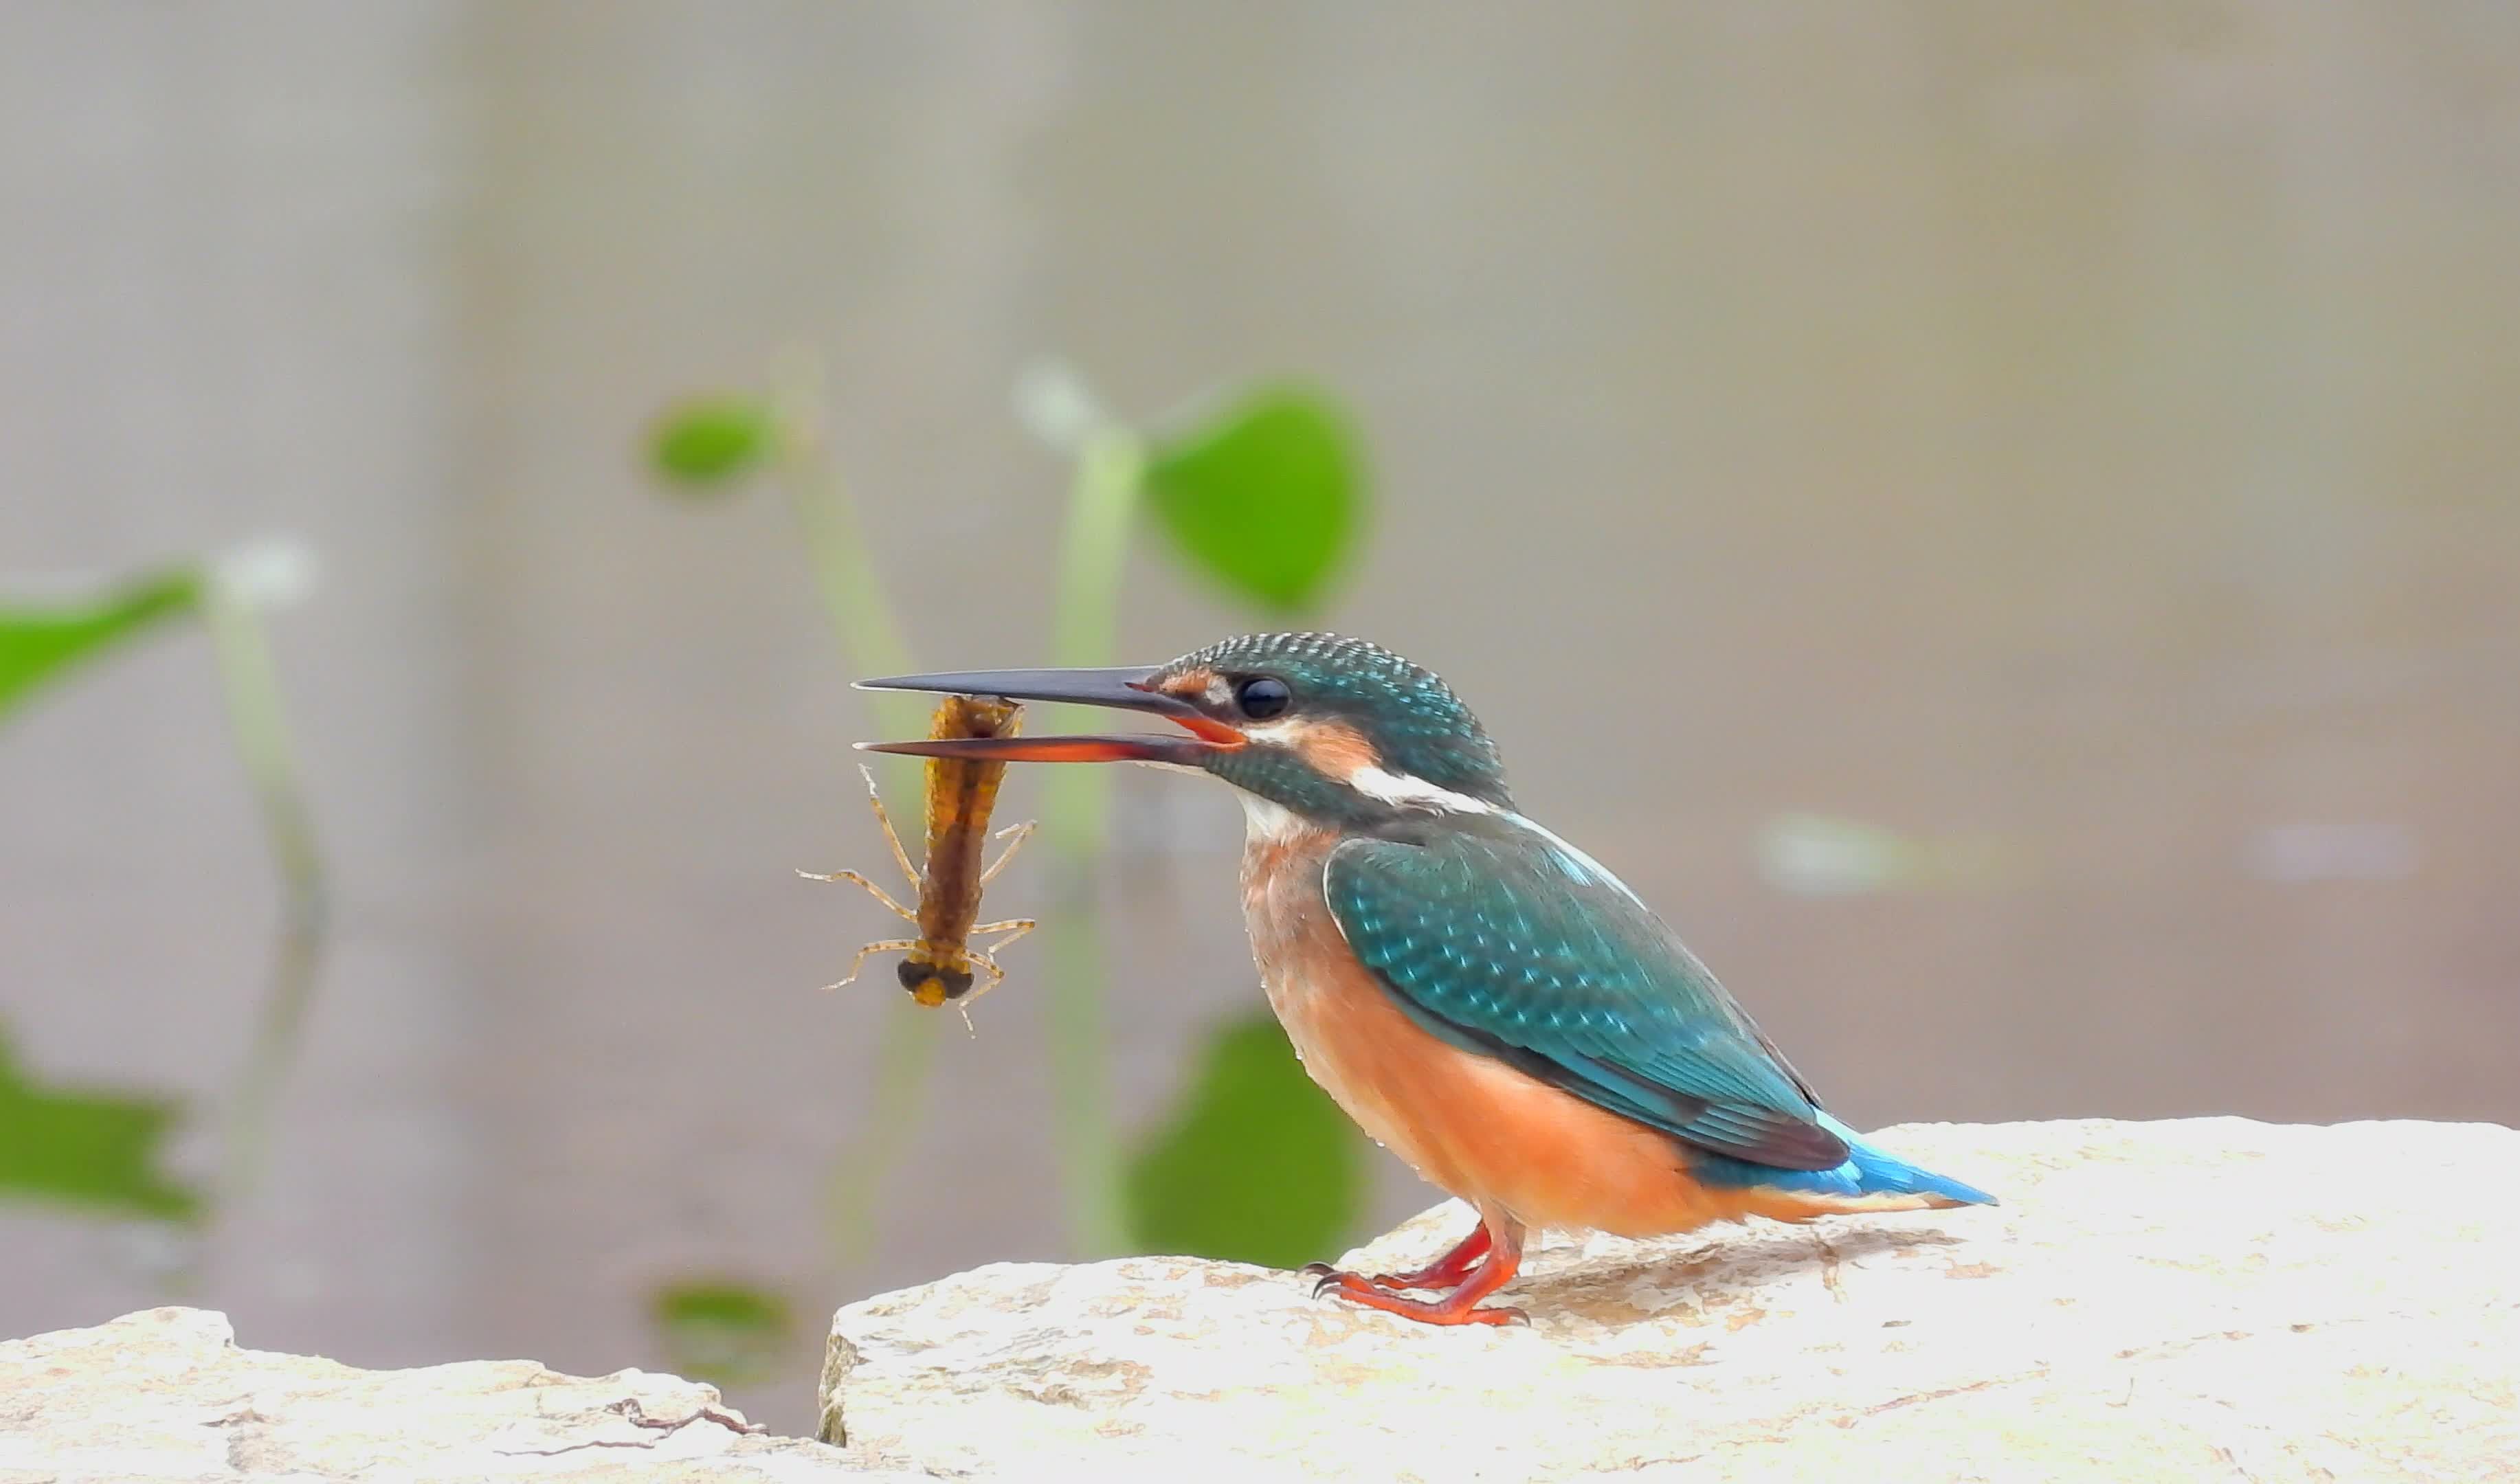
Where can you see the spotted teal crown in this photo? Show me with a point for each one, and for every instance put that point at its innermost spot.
(1416, 724)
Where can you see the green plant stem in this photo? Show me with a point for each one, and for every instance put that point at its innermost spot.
(871, 636)
(905, 1053)
(1075, 804)
(852, 591)
(262, 745)
(1095, 545)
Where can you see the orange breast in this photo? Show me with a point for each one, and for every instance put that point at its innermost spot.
(1466, 1123)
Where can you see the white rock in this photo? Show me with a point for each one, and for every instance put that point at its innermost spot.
(2207, 1299)
(165, 1395)
(2214, 1299)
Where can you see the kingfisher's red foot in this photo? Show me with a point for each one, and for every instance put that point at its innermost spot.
(1445, 1271)
(1461, 1270)
(1459, 1306)
(1449, 1271)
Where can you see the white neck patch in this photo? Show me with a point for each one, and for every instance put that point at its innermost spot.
(1413, 792)
(1373, 779)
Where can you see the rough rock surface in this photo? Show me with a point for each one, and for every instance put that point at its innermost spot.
(2213, 1300)
(2207, 1299)
(165, 1395)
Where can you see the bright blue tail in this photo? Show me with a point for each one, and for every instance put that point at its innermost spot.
(1868, 1171)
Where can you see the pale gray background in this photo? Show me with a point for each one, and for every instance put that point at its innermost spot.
(2088, 426)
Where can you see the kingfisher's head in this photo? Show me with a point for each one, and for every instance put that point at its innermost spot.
(1335, 731)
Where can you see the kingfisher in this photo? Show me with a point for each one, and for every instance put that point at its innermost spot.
(1483, 999)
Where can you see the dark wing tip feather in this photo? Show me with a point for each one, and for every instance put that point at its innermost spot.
(1792, 1144)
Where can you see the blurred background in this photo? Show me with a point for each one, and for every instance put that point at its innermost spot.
(2001, 522)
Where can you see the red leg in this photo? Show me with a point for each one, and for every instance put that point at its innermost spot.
(1460, 1306)
(1445, 1271)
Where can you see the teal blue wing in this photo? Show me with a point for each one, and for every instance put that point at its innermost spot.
(1509, 942)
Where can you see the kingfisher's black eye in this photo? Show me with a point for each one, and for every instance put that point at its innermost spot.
(1262, 696)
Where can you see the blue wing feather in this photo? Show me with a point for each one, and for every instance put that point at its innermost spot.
(1504, 940)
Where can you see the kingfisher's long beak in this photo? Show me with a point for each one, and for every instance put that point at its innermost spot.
(1123, 689)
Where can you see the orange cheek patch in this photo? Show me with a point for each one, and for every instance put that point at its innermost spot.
(1335, 749)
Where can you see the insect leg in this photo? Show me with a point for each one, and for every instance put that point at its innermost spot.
(900, 856)
(1013, 929)
(993, 977)
(1021, 833)
(890, 945)
(873, 889)
(997, 976)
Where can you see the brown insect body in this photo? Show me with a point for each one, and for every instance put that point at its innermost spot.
(960, 795)
(939, 964)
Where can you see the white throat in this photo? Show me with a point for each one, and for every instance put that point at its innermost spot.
(1268, 823)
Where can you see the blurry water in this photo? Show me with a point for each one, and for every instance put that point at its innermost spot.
(2082, 433)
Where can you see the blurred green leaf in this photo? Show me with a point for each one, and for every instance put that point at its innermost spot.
(709, 442)
(723, 1330)
(97, 1151)
(1258, 1165)
(1265, 497)
(44, 641)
